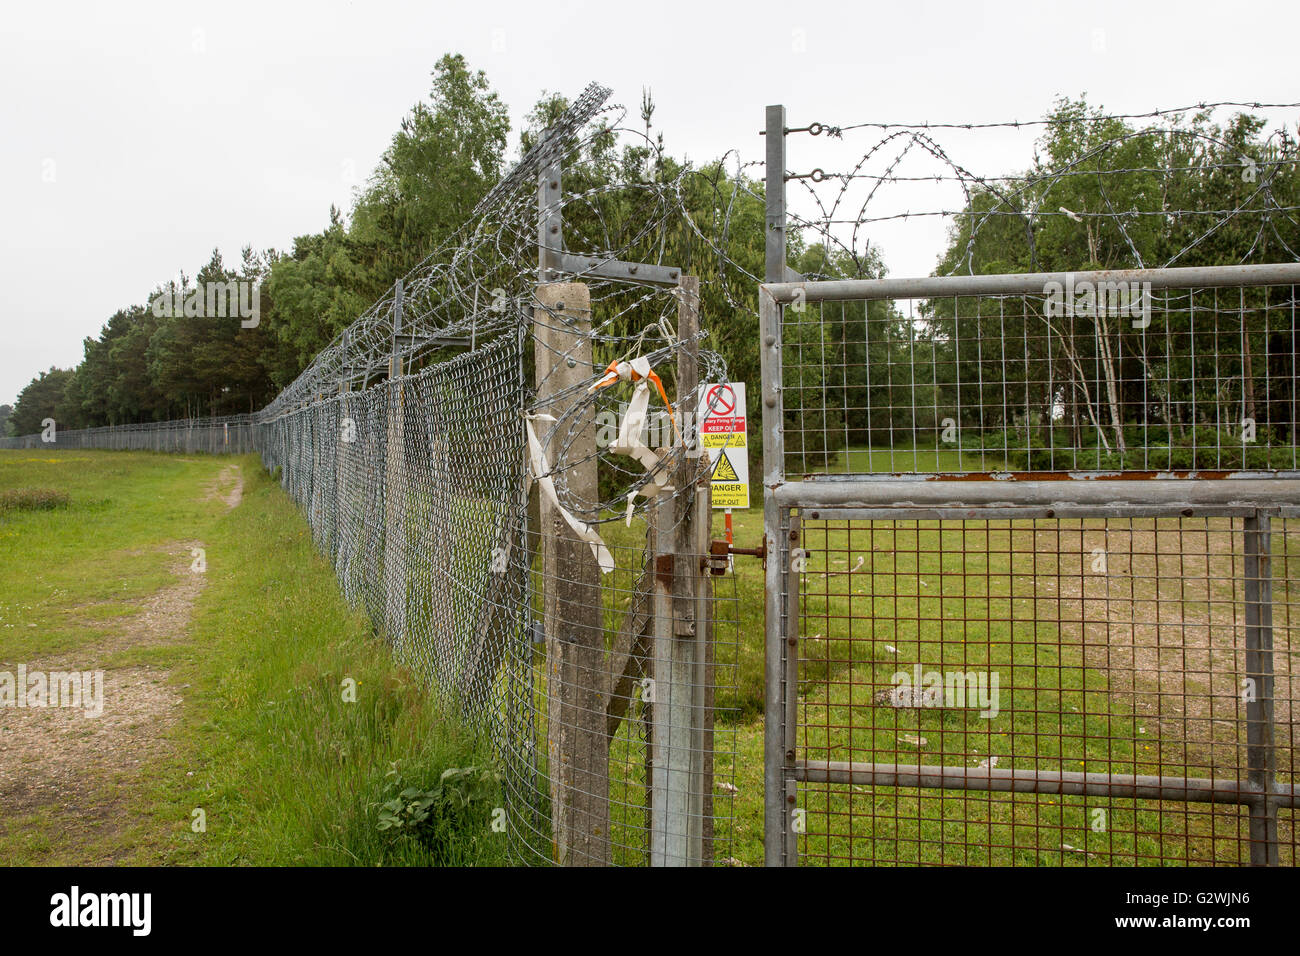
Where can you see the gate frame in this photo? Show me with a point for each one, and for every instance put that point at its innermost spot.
(1255, 496)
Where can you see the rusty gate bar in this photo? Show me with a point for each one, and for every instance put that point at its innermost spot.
(1140, 786)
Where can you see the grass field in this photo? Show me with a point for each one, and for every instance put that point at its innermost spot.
(224, 691)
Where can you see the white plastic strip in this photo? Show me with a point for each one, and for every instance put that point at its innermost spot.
(540, 470)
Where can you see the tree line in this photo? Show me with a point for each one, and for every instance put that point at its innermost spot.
(146, 366)
(1099, 193)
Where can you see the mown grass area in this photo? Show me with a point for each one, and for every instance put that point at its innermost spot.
(62, 568)
(908, 459)
(284, 769)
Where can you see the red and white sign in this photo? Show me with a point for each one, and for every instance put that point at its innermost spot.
(723, 436)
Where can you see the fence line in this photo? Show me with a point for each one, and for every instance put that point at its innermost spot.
(417, 443)
(228, 435)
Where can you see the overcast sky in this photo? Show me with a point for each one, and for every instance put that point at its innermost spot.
(139, 136)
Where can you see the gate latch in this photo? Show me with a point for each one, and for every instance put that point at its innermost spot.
(720, 550)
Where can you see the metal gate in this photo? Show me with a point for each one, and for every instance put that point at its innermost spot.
(1005, 625)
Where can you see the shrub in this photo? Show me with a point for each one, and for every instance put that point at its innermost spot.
(449, 818)
(32, 499)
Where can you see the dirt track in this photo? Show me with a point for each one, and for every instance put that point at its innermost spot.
(79, 771)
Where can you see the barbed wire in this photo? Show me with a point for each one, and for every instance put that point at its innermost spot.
(816, 129)
(1089, 162)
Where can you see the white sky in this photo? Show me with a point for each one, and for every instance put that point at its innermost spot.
(170, 127)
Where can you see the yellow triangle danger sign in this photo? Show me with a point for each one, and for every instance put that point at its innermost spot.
(723, 470)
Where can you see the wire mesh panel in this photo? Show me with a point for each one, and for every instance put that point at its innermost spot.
(413, 489)
(1087, 374)
(942, 665)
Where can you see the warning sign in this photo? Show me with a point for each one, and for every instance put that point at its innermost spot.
(722, 436)
(722, 471)
(722, 417)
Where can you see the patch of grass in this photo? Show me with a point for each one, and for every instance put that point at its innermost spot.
(288, 768)
(910, 459)
(56, 564)
(284, 768)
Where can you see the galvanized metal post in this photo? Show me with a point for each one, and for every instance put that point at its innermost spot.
(550, 220)
(1260, 753)
(341, 471)
(679, 777)
(774, 813)
(792, 537)
(775, 819)
(395, 491)
(550, 242)
(690, 392)
(774, 195)
(671, 719)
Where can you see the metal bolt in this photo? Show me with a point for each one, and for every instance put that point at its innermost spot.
(770, 340)
(789, 756)
(554, 230)
(572, 363)
(770, 401)
(793, 641)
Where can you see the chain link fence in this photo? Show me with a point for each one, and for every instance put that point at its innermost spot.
(230, 435)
